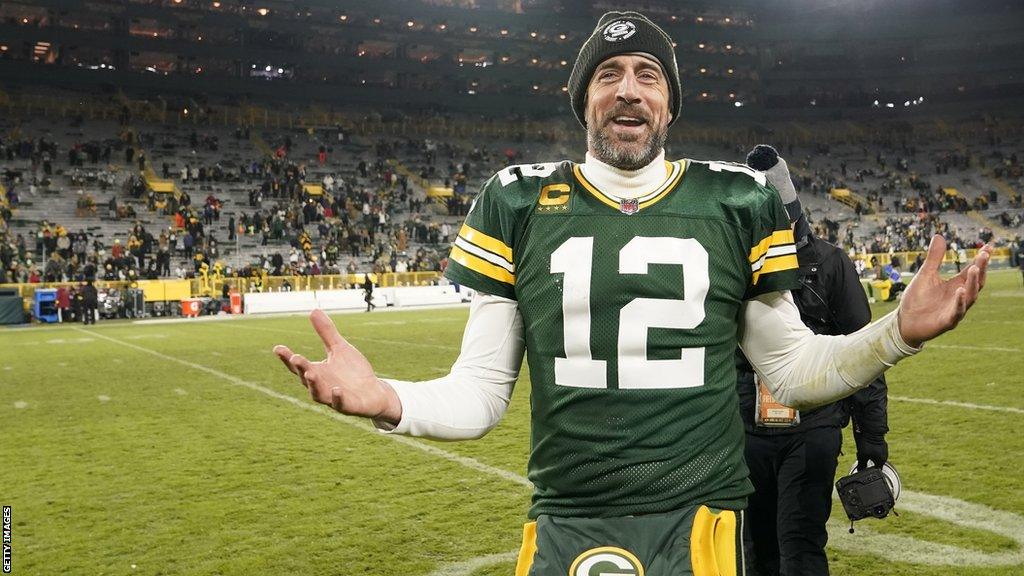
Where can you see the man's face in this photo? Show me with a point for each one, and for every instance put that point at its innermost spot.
(627, 111)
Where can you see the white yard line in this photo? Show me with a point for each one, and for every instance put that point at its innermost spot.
(360, 423)
(893, 547)
(978, 348)
(969, 405)
(467, 567)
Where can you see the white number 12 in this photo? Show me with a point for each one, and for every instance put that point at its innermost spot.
(574, 258)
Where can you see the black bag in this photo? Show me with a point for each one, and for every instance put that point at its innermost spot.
(866, 493)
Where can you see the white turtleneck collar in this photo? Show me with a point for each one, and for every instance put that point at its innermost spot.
(625, 184)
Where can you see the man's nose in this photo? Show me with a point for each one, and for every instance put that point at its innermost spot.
(628, 89)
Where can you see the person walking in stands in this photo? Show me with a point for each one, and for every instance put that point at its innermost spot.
(90, 300)
(368, 291)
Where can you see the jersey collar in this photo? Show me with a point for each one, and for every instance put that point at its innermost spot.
(614, 187)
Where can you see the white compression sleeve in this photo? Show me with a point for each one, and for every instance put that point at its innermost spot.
(470, 400)
(803, 369)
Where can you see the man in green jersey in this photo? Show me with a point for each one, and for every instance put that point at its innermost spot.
(629, 280)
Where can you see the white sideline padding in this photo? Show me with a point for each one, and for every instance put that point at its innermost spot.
(426, 296)
(307, 301)
(347, 299)
(265, 302)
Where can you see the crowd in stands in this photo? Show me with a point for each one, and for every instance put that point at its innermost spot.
(310, 212)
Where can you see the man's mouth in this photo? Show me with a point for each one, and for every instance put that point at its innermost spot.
(625, 120)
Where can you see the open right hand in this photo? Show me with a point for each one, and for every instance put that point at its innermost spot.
(345, 380)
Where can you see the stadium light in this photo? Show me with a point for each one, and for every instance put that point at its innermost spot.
(504, 32)
(561, 36)
(443, 26)
(890, 105)
(343, 17)
(700, 19)
(263, 11)
(729, 70)
(701, 45)
(216, 4)
(533, 34)
(738, 104)
(410, 23)
(472, 29)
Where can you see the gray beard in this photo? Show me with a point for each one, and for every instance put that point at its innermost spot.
(621, 157)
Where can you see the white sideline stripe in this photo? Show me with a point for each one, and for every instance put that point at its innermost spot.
(468, 567)
(319, 409)
(366, 338)
(894, 547)
(958, 404)
(980, 348)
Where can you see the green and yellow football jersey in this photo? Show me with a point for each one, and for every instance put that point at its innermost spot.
(630, 311)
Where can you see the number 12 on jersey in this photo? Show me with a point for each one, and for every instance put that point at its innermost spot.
(574, 258)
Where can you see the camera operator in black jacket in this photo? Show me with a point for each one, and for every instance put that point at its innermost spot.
(793, 455)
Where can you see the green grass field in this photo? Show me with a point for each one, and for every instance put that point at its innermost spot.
(186, 448)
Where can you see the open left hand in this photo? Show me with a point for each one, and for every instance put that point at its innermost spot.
(931, 305)
(344, 380)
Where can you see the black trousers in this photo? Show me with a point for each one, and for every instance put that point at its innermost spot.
(785, 521)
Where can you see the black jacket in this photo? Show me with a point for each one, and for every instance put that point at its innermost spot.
(831, 301)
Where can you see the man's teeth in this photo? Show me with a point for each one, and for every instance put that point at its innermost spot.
(628, 120)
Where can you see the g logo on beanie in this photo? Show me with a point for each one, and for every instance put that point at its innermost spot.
(618, 31)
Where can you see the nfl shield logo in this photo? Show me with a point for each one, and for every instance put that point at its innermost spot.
(631, 206)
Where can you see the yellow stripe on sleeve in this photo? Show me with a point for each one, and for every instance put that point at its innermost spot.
(481, 266)
(774, 239)
(777, 264)
(474, 236)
